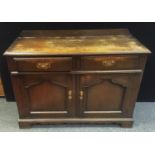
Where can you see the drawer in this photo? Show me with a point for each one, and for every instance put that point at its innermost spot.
(109, 62)
(44, 64)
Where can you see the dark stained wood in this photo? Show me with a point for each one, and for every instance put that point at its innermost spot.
(100, 94)
(46, 96)
(58, 33)
(110, 62)
(124, 122)
(80, 76)
(107, 95)
(44, 64)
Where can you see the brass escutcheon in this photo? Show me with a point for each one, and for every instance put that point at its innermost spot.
(43, 65)
(108, 62)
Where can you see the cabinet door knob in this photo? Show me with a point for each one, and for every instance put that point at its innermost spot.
(81, 95)
(108, 62)
(43, 65)
(70, 94)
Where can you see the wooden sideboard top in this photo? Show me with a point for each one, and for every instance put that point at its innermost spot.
(75, 42)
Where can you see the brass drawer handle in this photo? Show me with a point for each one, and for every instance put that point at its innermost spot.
(81, 95)
(70, 94)
(108, 63)
(43, 65)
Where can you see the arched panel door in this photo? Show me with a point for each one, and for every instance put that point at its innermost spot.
(104, 95)
(47, 95)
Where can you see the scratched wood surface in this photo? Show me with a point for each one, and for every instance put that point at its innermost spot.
(75, 42)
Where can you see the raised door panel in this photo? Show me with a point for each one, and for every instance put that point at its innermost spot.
(48, 95)
(106, 95)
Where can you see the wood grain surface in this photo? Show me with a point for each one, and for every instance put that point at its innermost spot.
(75, 42)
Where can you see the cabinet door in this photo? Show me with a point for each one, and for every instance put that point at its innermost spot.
(110, 95)
(44, 95)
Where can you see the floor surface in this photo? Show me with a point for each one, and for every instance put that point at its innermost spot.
(144, 117)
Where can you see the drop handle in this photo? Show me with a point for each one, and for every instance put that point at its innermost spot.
(81, 95)
(70, 94)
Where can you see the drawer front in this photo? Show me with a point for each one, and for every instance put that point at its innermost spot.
(109, 62)
(44, 64)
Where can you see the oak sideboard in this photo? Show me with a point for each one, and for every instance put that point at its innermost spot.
(76, 76)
